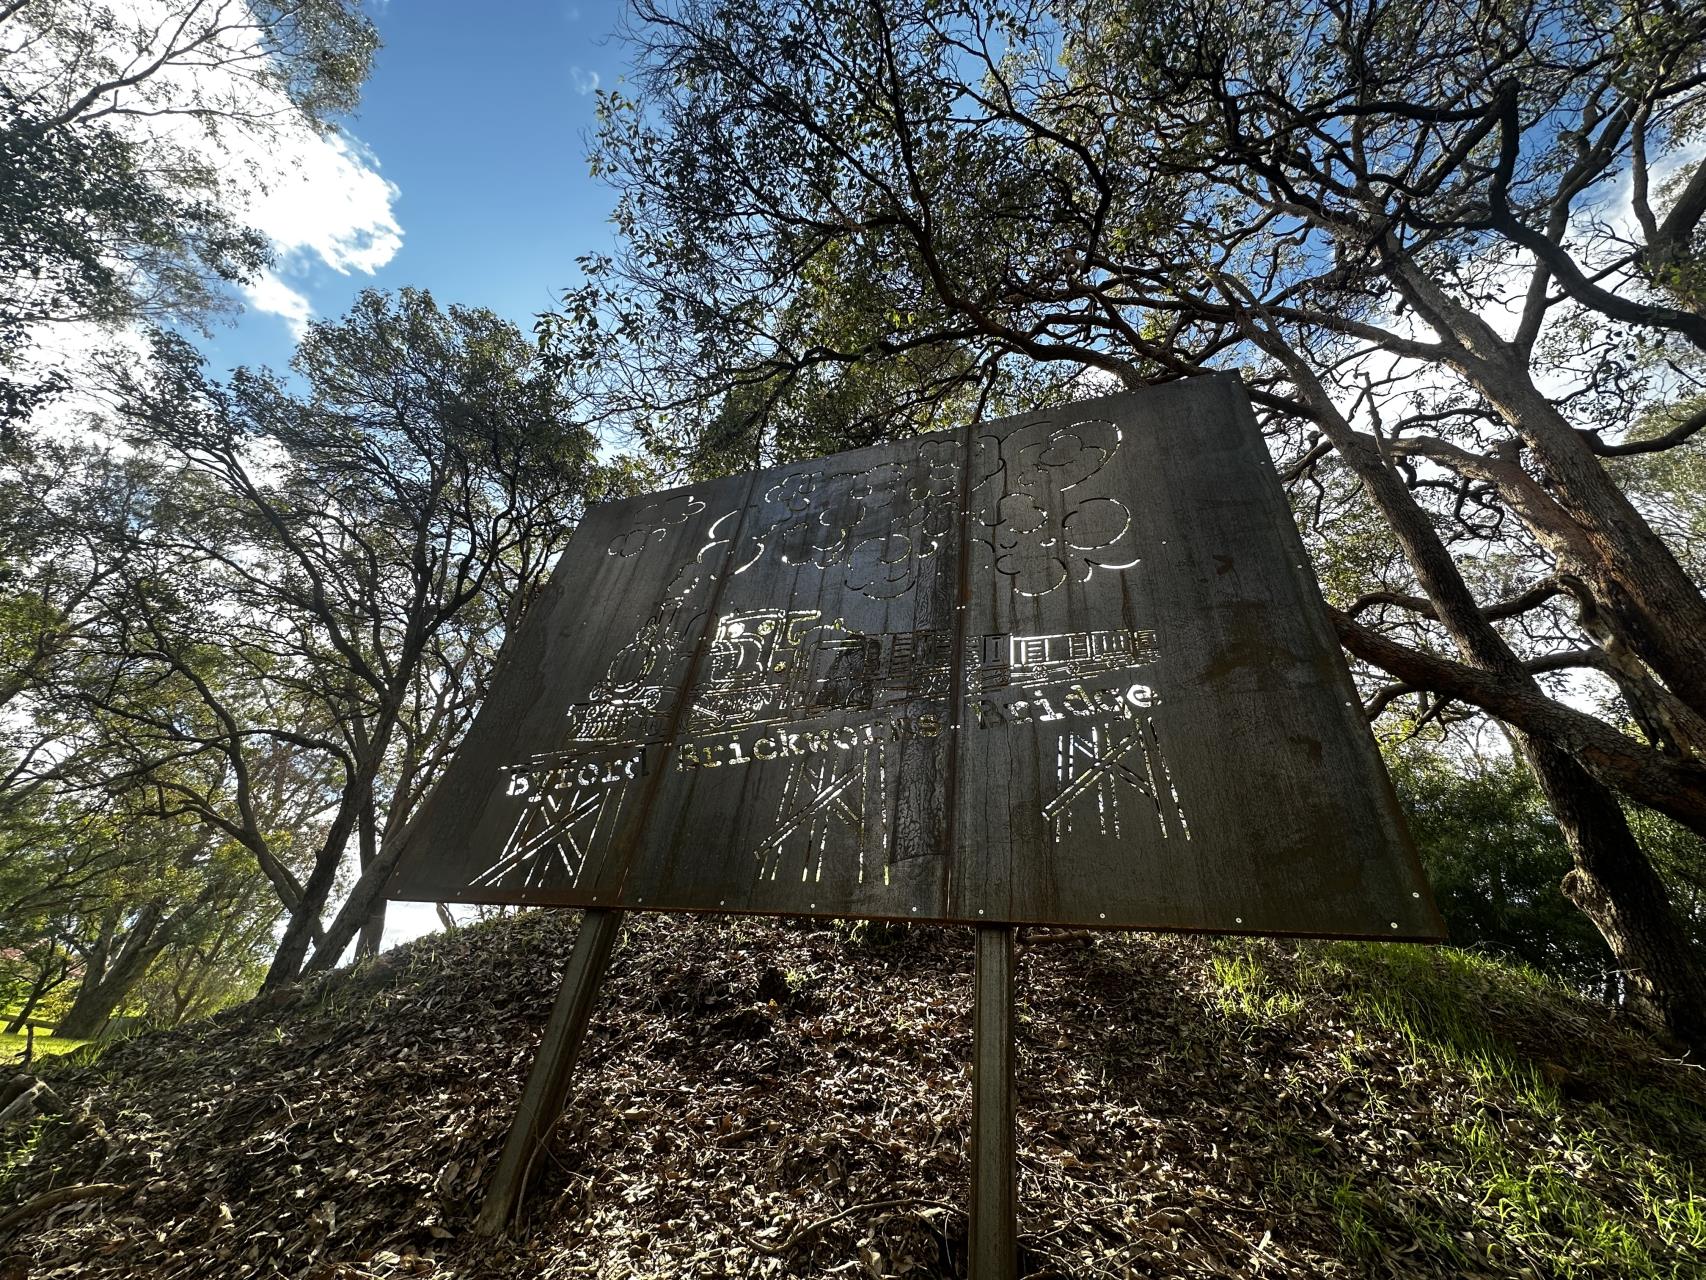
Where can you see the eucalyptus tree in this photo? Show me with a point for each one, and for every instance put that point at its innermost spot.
(1454, 250)
(100, 881)
(63, 507)
(127, 141)
(112, 122)
(1496, 859)
(351, 556)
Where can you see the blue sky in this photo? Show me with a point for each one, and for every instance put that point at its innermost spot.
(478, 117)
(478, 121)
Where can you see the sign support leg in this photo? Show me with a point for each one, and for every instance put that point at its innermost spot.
(994, 1190)
(553, 1066)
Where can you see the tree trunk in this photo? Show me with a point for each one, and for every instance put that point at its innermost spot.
(1633, 573)
(372, 933)
(373, 927)
(186, 993)
(1653, 604)
(102, 991)
(364, 908)
(305, 919)
(1614, 884)
(365, 903)
(45, 981)
(303, 927)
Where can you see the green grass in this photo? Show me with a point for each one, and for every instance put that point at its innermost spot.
(1247, 989)
(1424, 995)
(1590, 1209)
(1576, 1166)
(12, 1047)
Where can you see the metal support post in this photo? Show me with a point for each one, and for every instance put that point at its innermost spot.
(553, 1066)
(994, 1189)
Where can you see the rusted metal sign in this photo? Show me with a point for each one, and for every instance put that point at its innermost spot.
(1065, 668)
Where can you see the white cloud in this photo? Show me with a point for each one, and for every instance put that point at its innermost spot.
(319, 198)
(326, 198)
(584, 81)
(275, 297)
(74, 349)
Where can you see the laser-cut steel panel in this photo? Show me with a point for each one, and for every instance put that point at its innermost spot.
(816, 750)
(540, 800)
(1066, 668)
(1175, 741)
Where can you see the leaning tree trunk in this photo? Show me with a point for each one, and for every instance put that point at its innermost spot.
(1655, 607)
(304, 920)
(1614, 884)
(373, 928)
(363, 912)
(104, 989)
(1634, 575)
(304, 924)
(45, 981)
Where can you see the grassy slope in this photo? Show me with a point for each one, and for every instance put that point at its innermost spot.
(12, 1047)
(1188, 1108)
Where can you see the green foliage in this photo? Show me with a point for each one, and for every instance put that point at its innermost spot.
(238, 652)
(1496, 861)
(121, 179)
(12, 1046)
(1245, 989)
(1419, 993)
(326, 574)
(80, 212)
(1671, 483)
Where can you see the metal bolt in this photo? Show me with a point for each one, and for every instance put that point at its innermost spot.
(1237, 919)
(1394, 924)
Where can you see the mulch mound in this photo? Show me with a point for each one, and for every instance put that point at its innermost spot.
(786, 1098)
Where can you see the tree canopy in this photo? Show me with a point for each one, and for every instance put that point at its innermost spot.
(272, 625)
(1452, 249)
(1454, 253)
(128, 139)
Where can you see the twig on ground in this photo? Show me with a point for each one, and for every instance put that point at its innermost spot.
(812, 1228)
(24, 1097)
(1031, 938)
(59, 1196)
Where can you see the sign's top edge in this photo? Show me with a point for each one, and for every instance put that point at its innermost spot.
(1219, 377)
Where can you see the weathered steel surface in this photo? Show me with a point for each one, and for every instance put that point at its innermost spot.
(1066, 668)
